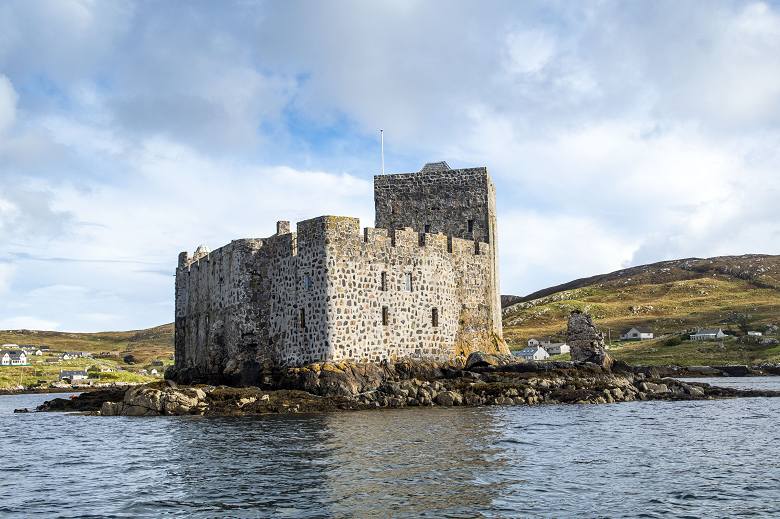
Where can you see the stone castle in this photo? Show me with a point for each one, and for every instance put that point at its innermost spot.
(423, 284)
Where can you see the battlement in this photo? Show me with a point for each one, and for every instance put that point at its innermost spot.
(325, 230)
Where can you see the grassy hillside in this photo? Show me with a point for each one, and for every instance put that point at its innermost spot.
(666, 297)
(145, 345)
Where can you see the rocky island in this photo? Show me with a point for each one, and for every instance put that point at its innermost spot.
(481, 379)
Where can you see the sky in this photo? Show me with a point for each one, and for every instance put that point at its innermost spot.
(617, 134)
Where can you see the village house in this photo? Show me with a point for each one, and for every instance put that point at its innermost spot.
(532, 353)
(157, 363)
(557, 348)
(708, 334)
(539, 341)
(45, 349)
(53, 359)
(13, 358)
(637, 333)
(757, 334)
(73, 375)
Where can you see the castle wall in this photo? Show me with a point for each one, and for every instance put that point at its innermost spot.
(447, 275)
(445, 202)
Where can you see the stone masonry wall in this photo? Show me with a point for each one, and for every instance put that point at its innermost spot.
(247, 303)
(444, 202)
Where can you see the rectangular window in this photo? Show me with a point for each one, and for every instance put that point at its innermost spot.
(435, 317)
(384, 316)
(383, 281)
(408, 282)
(427, 229)
(471, 225)
(307, 282)
(303, 318)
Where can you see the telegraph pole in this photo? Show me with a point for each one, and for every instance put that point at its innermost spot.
(382, 136)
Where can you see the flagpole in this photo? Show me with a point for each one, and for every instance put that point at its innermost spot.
(382, 134)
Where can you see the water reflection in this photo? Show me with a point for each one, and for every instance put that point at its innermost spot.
(432, 462)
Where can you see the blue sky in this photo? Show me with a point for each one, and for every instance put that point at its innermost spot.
(617, 134)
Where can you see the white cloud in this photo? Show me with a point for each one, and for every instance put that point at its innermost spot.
(26, 322)
(616, 133)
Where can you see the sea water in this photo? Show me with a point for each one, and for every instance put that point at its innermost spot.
(702, 459)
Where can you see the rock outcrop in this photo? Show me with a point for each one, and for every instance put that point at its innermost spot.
(156, 400)
(585, 341)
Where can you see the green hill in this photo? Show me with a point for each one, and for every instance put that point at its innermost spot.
(145, 345)
(667, 297)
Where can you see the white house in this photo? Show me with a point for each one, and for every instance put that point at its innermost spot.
(39, 353)
(13, 358)
(538, 341)
(532, 353)
(707, 334)
(557, 348)
(637, 333)
(755, 333)
(73, 375)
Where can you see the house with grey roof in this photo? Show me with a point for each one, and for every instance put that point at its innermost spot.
(637, 333)
(538, 341)
(13, 358)
(708, 334)
(557, 348)
(532, 353)
(73, 375)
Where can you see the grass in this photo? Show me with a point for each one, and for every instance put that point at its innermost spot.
(665, 308)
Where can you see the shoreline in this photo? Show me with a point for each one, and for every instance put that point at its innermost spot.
(339, 387)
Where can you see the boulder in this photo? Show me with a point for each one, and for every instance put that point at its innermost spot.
(586, 343)
(449, 398)
(480, 359)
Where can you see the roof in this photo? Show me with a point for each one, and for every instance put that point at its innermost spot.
(532, 349)
(74, 372)
(430, 167)
(15, 353)
(707, 332)
(640, 329)
(540, 339)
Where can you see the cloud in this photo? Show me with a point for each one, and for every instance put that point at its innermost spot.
(616, 133)
(27, 322)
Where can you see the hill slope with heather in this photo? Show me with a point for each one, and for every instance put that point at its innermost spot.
(666, 297)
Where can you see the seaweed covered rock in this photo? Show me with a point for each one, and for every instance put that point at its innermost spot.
(480, 359)
(156, 400)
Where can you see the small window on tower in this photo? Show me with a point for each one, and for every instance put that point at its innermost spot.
(303, 318)
(435, 317)
(307, 282)
(427, 229)
(384, 316)
(383, 282)
(471, 225)
(408, 280)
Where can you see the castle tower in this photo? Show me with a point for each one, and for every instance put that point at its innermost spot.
(437, 199)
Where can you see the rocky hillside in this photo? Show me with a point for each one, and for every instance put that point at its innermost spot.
(666, 297)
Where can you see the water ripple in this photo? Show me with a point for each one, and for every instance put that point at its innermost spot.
(640, 459)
